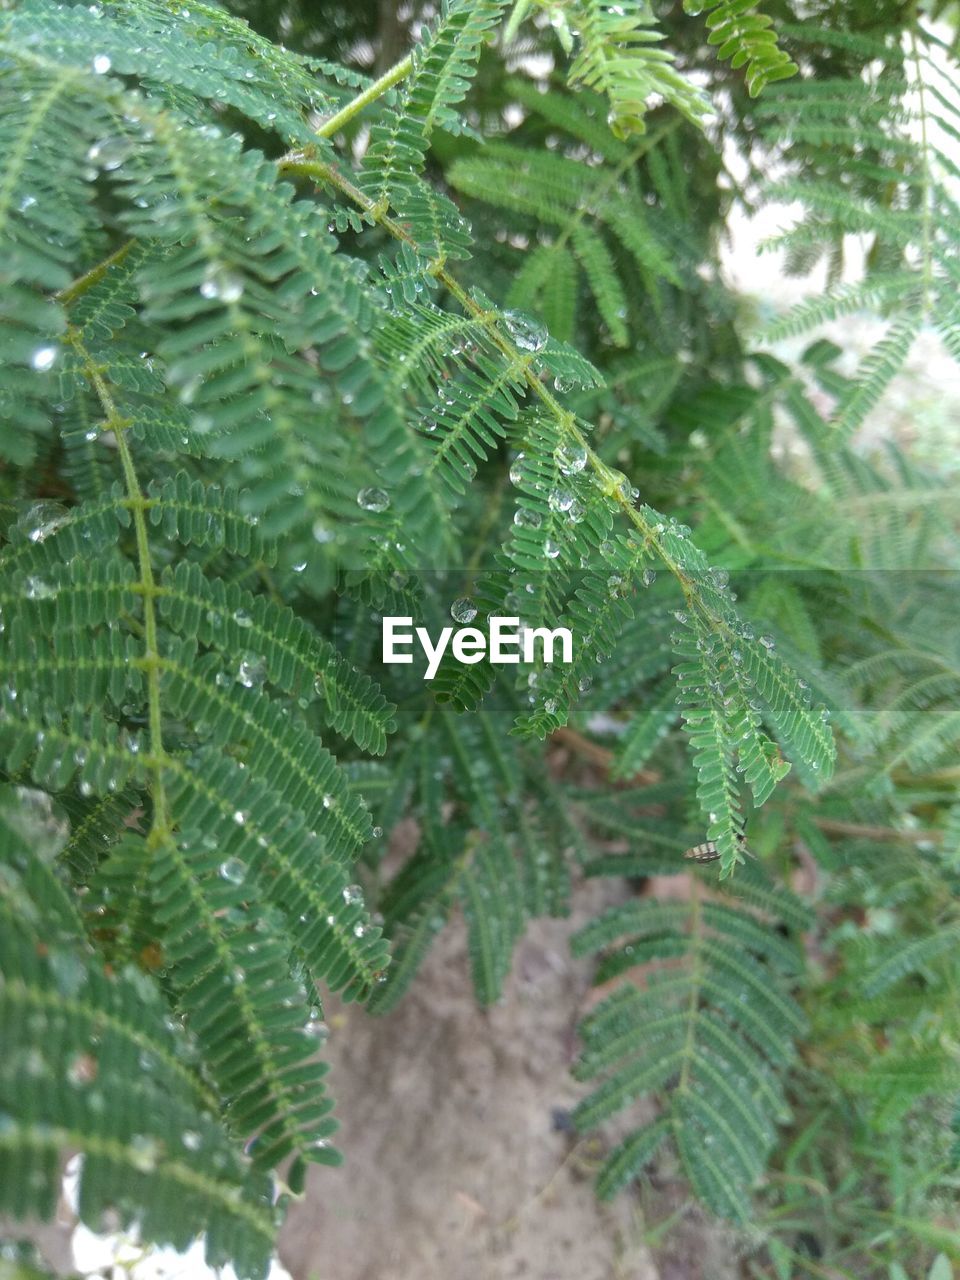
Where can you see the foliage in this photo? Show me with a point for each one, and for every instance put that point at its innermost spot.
(260, 390)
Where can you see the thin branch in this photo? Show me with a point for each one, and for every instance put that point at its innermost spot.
(374, 91)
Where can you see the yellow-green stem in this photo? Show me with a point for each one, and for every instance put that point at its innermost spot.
(370, 94)
(148, 589)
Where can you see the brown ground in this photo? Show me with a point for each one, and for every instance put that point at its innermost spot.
(455, 1168)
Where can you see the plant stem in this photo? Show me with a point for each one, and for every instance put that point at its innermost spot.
(148, 589)
(370, 94)
(80, 286)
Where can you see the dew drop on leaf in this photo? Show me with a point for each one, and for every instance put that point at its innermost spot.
(226, 286)
(233, 870)
(372, 499)
(463, 610)
(524, 518)
(571, 458)
(109, 153)
(526, 331)
(252, 671)
(43, 358)
(43, 519)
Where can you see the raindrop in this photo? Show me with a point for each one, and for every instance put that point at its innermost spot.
(239, 817)
(372, 499)
(527, 332)
(43, 358)
(550, 549)
(43, 519)
(242, 618)
(233, 870)
(524, 518)
(222, 284)
(767, 642)
(563, 384)
(559, 500)
(571, 458)
(110, 153)
(101, 64)
(37, 589)
(329, 801)
(321, 533)
(463, 610)
(252, 671)
(648, 577)
(516, 470)
(352, 893)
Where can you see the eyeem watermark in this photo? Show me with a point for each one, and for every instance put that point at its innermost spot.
(508, 642)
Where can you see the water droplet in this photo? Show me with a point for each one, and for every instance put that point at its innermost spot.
(144, 1151)
(329, 801)
(190, 1139)
(463, 610)
(584, 684)
(524, 518)
(377, 832)
(516, 470)
(252, 671)
(372, 499)
(239, 817)
(37, 589)
(233, 870)
(242, 618)
(43, 358)
(526, 331)
(767, 642)
(43, 519)
(559, 500)
(321, 533)
(563, 384)
(550, 549)
(110, 153)
(352, 893)
(222, 284)
(648, 577)
(101, 64)
(571, 458)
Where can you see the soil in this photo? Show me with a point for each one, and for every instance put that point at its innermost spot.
(460, 1165)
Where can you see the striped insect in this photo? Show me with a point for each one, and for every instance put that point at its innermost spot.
(708, 851)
